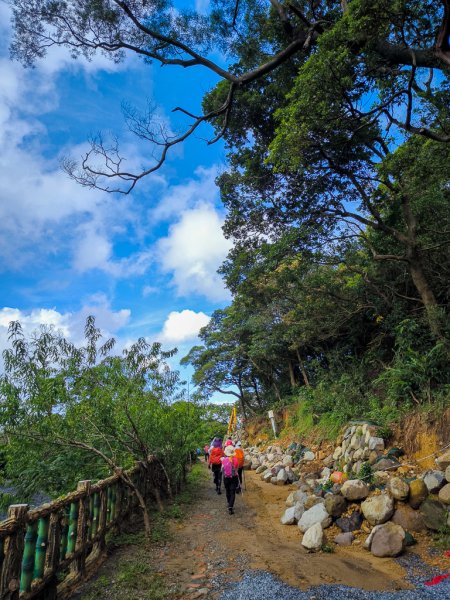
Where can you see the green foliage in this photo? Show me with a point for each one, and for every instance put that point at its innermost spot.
(365, 473)
(442, 538)
(70, 413)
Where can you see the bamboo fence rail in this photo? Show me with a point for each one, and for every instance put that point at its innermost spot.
(46, 551)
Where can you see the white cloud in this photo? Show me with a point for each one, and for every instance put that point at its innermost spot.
(71, 324)
(193, 251)
(183, 326)
(199, 189)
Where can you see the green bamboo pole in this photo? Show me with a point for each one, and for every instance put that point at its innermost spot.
(112, 512)
(26, 576)
(2, 553)
(64, 534)
(73, 525)
(91, 517)
(95, 514)
(41, 548)
(108, 505)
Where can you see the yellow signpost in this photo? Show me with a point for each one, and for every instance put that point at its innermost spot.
(233, 420)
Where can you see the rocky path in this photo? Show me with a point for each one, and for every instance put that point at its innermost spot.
(251, 556)
(212, 549)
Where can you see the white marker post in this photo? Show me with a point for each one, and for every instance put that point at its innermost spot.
(272, 420)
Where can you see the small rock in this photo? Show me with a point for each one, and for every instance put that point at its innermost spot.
(386, 464)
(378, 509)
(288, 517)
(408, 518)
(387, 539)
(355, 489)
(434, 480)
(447, 474)
(381, 477)
(260, 469)
(282, 477)
(434, 514)
(376, 443)
(344, 539)
(267, 476)
(325, 473)
(288, 461)
(312, 501)
(443, 461)
(373, 457)
(313, 538)
(308, 456)
(444, 494)
(335, 505)
(316, 514)
(351, 523)
(337, 453)
(418, 492)
(398, 488)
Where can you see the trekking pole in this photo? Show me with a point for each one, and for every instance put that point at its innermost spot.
(244, 480)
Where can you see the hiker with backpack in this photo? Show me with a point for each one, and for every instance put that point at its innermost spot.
(215, 464)
(230, 467)
(239, 454)
(206, 451)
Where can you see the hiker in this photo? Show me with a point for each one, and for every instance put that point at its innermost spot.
(206, 451)
(239, 454)
(230, 477)
(214, 463)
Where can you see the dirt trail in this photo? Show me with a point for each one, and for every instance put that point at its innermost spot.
(211, 547)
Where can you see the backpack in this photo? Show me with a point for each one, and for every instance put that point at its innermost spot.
(229, 466)
(239, 454)
(215, 455)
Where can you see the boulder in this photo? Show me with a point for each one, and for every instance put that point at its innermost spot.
(313, 538)
(316, 514)
(444, 494)
(434, 480)
(344, 539)
(351, 523)
(381, 477)
(296, 497)
(337, 453)
(267, 476)
(378, 509)
(355, 489)
(335, 505)
(418, 492)
(386, 464)
(447, 474)
(408, 518)
(387, 539)
(288, 461)
(260, 469)
(255, 464)
(274, 480)
(376, 443)
(299, 510)
(312, 501)
(308, 456)
(443, 461)
(373, 456)
(398, 488)
(282, 477)
(355, 442)
(288, 517)
(434, 514)
(328, 461)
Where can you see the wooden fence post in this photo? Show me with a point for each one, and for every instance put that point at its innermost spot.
(13, 551)
(53, 555)
(99, 546)
(78, 565)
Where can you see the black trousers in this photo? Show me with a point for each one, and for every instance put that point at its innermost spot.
(240, 474)
(217, 475)
(231, 483)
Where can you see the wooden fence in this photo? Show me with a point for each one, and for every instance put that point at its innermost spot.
(46, 551)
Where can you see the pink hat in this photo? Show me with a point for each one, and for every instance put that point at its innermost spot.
(228, 443)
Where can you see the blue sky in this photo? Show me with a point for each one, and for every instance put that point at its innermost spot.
(143, 264)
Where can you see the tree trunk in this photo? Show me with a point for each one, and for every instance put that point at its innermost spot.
(291, 374)
(427, 296)
(302, 369)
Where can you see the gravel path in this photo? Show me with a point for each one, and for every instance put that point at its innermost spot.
(260, 585)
